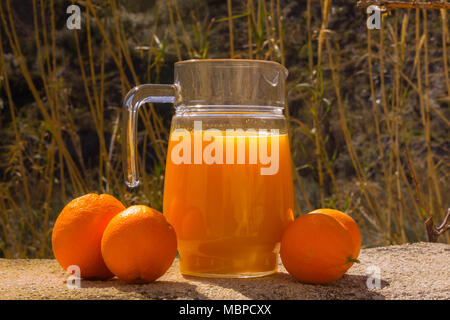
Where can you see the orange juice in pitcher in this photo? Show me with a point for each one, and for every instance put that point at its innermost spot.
(230, 218)
(228, 188)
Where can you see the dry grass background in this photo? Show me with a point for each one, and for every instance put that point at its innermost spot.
(368, 111)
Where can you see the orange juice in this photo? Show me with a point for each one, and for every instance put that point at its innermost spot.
(228, 216)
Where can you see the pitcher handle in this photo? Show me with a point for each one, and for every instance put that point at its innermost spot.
(146, 93)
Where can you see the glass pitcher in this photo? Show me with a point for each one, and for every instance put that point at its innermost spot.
(228, 189)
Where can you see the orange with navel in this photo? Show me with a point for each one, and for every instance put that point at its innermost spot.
(316, 248)
(78, 231)
(139, 245)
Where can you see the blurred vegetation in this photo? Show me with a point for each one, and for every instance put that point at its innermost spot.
(368, 111)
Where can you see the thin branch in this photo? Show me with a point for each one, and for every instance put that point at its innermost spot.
(445, 224)
(403, 4)
(435, 232)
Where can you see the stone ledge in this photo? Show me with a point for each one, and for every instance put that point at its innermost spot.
(411, 271)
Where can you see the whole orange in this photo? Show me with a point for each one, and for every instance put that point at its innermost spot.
(78, 231)
(348, 223)
(139, 245)
(316, 248)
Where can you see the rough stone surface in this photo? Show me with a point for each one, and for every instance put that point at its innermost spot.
(412, 271)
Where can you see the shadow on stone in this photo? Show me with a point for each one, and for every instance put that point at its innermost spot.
(352, 286)
(281, 286)
(154, 290)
